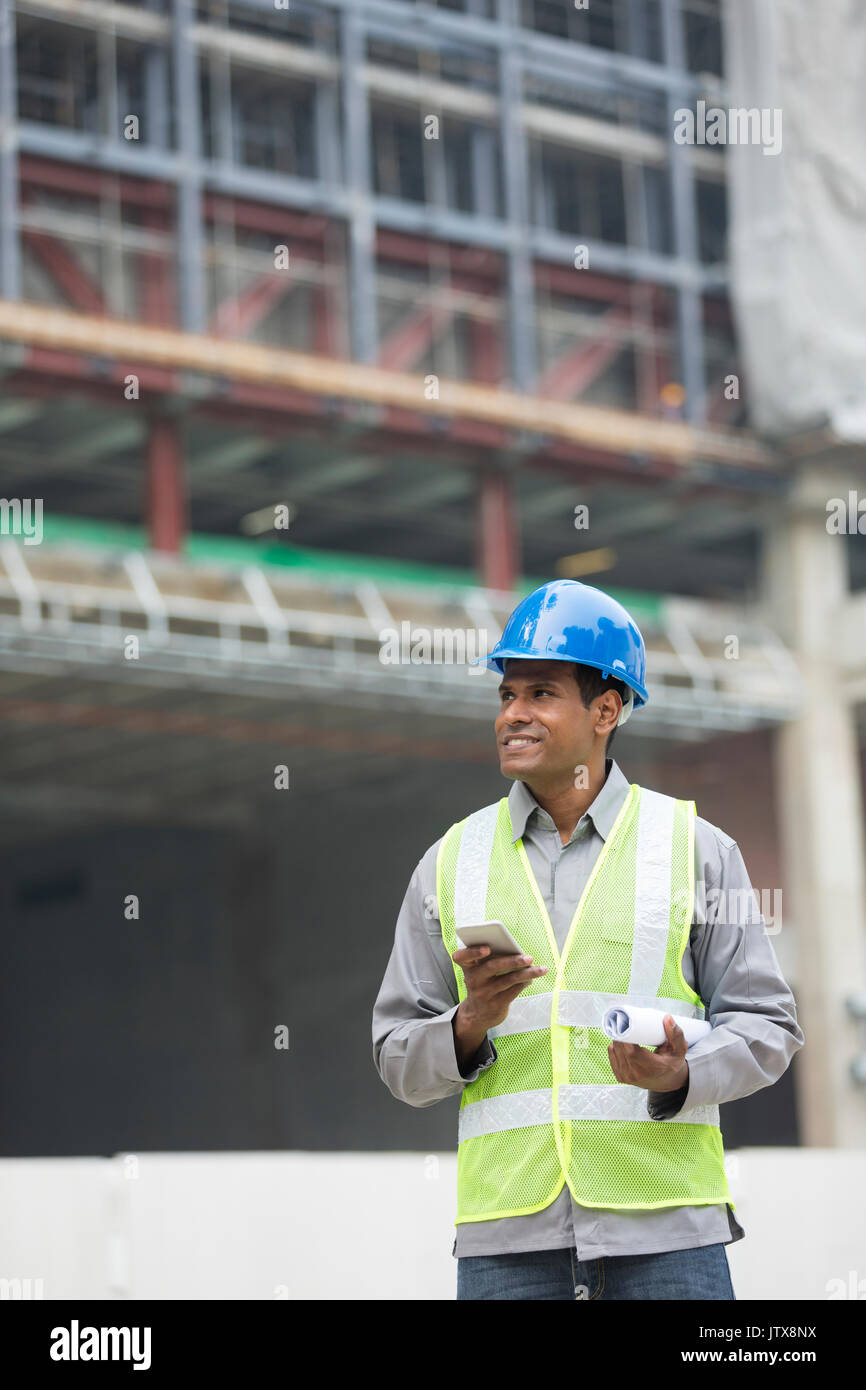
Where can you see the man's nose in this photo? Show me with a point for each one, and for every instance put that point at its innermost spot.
(517, 712)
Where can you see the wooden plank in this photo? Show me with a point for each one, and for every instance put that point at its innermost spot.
(616, 431)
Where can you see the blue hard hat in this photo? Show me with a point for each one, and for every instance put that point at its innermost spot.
(565, 620)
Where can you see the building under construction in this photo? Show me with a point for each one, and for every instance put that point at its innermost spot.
(434, 280)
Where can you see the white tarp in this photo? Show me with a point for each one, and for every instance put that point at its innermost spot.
(798, 217)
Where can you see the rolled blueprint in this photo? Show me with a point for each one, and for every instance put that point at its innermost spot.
(626, 1023)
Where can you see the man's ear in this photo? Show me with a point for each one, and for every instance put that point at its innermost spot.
(609, 702)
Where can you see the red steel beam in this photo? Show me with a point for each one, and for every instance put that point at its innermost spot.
(485, 351)
(498, 561)
(324, 338)
(67, 273)
(327, 401)
(585, 284)
(46, 372)
(274, 412)
(649, 311)
(237, 316)
(165, 502)
(573, 373)
(425, 251)
(76, 178)
(410, 339)
(261, 217)
(423, 326)
(157, 279)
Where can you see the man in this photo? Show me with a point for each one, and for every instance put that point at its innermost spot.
(586, 1168)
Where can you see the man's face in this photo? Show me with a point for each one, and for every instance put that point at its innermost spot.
(543, 729)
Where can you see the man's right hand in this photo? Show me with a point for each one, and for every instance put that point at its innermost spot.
(492, 983)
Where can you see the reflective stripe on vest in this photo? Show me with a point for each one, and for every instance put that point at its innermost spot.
(473, 868)
(581, 1008)
(652, 892)
(549, 1110)
(524, 1108)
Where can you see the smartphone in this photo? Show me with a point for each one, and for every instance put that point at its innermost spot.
(492, 934)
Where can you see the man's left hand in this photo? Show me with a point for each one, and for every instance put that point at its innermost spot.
(664, 1069)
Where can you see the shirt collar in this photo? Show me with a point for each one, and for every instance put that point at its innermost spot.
(603, 811)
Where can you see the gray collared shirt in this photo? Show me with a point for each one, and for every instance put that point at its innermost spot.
(729, 961)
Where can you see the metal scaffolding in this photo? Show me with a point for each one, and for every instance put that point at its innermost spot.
(332, 65)
(487, 194)
(265, 631)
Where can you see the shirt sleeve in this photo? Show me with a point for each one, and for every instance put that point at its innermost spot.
(413, 1038)
(755, 1032)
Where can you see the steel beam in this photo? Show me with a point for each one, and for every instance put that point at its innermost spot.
(10, 252)
(517, 50)
(219, 73)
(574, 373)
(411, 338)
(158, 302)
(68, 274)
(327, 133)
(388, 213)
(520, 302)
(498, 561)
(69, 176)
(326, 339)
(628, 261)
(692, 369)
(190, 216)
(357, 174)
(485, 351)
(618, 431)
(238, 316)
(157, 100)
(165, 486)
(385, 18)
(484, 180)
(436, 26)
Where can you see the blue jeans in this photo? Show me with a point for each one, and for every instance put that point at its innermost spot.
(700, 1273)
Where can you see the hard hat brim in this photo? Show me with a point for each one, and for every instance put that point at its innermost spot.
(495, 661)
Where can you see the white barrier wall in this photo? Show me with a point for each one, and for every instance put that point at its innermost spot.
(361, 1226)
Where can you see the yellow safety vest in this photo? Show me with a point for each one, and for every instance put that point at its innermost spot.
(550, 1109)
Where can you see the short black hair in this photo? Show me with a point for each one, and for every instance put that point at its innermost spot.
(592, 683)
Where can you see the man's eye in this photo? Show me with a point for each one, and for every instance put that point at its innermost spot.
(540, 690)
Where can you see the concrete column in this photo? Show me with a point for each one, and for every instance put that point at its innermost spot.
(820, 807)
